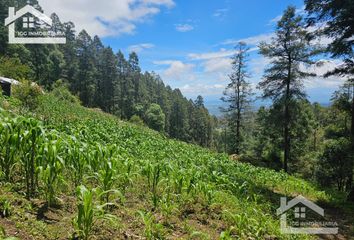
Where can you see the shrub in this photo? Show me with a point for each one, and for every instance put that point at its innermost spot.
(135, 119)
(61, 91)
(13, 68)
(155, 117)
(335, 163)
(28, 93)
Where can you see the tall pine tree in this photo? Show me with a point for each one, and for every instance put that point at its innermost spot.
(283, 80)
(237, 95)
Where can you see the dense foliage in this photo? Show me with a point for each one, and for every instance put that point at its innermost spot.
(116, 178)
(102, 79)
(120, 171)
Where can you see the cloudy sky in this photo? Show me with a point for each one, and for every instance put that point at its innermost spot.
(189, 42)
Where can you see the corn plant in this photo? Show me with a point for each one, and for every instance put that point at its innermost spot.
(208, 191)
(85, 218)
(167, 205)
(107, 174)
(227, 235)
(152, 230)
(50, 173)
(75, 160)
(96, 157)
(106, 179)
(5, 208)
(9, 146)
(31, 138)
(153, 174)
(88, 212)
(126, 177)
(178, 180)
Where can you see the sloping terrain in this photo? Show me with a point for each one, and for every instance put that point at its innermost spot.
(97, 177)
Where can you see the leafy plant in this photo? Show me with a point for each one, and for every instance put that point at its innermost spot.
(10, 142)
(51, 172)
(152, 230)
(31, 138)
(88, 212)
(107, 175)
(5, 208)
(85, 218)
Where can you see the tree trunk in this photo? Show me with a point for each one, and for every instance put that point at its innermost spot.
(350, 180)
(238, 122)
(286, 138)
(225, 140)
(238, 136)
(287, 121)
(238, 105)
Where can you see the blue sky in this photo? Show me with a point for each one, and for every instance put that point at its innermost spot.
(189, 42)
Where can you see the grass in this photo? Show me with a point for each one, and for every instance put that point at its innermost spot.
(149, 186)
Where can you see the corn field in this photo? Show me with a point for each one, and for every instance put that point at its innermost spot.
(101, 161)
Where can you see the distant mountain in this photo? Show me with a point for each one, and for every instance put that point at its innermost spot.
(214, 105)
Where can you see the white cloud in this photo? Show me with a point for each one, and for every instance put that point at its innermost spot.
(253, 41)
(211, 55)
(257, 66)
(218, 65)
(214, 62)
(221, 13)
(275, 20)
(320, 68)
(299, 11)
(106, 17)
(184, 27)
(140, 47)
(202, 89)
(168, 3)
(177, 70)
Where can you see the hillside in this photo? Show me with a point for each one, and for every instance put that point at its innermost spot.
(138, 183)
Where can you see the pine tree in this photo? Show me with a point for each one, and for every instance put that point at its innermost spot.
(85, 83)
(283, 80)
(237, 94)
(121, 84)
(69, 52)
(108, 77)
(179, 117)
(339, 27)
(55, 68)
(135, 75)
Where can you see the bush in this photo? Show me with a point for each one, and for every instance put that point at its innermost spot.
(335, 164)
(61, 91)
(135, 119)
(9, 103)
(155, 117)
(13, 68)
(28, 93)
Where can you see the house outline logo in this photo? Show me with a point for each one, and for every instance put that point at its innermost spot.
(300, 213)
(44, 19)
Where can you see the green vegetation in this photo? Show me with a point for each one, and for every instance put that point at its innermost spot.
(170, 187)
(72, 171)
(104, 79)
